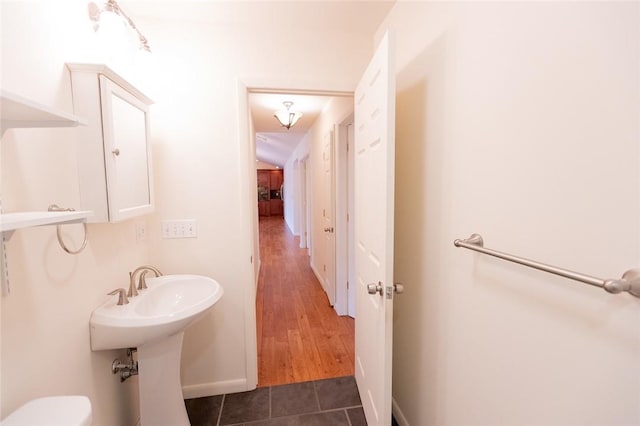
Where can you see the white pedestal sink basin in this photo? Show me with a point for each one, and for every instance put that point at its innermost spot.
(154, 322)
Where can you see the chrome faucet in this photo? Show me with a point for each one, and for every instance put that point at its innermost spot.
(133, 291)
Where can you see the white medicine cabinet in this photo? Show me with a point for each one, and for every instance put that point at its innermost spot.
(114, 156)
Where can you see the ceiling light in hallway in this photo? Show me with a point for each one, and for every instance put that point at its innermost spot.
(287, 118)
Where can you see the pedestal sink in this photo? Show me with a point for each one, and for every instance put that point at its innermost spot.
(154, 322)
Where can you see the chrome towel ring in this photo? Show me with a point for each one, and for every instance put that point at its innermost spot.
(55, 208)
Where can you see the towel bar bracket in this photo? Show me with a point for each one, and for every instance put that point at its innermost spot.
(630, 281)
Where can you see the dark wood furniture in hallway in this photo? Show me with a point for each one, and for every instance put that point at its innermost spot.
(269, 193)
(300, 337)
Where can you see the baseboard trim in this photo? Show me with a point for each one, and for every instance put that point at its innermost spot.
(257, 273)
(317, 274)
(214, 388)
(398, 414)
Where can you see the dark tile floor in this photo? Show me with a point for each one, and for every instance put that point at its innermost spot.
(333, 402)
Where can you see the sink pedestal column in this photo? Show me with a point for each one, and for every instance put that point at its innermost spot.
(161, 400)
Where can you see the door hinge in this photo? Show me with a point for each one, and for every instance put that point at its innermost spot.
(324, 268)
(251, 260)
(347, 217)
(347, 285)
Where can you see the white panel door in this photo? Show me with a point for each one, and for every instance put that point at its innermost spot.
(373, 216)
(328, 197)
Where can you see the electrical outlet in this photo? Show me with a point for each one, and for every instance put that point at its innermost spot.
(141, 232)
(179, 228)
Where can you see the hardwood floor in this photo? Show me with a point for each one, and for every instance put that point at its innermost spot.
(300, 337)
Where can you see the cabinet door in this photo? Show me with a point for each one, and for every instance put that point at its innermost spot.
(264, 208)
(263, 178)
(276, 179)
(126, 152)
(276, 208)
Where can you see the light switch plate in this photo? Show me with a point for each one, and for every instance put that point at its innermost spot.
(186, 228)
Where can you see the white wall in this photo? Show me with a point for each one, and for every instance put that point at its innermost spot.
(201, 168)
(295, 167)
(45, 333)
(518, 121)
(289, 197)
(336, 111)
(261, 165)
(193, 120)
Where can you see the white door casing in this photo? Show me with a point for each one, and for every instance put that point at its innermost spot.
(351, 290)
(303, 203)
(328, 201)
(373, 216)
(344, 261)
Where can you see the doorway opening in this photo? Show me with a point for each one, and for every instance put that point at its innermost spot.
(303, 328)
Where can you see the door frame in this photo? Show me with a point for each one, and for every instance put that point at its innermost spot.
(247, 176)
(302, 206)
(328, 245)
(343, 199)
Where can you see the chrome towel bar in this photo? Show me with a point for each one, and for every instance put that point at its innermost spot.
(630, 281)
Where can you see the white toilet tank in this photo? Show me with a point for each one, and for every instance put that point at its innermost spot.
(52, 411)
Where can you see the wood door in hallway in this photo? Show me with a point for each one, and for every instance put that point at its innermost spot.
(300, 337)
(374, 198)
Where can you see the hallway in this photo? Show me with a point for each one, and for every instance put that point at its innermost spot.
(300, 337)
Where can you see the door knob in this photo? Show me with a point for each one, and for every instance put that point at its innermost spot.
(398, 288)
(116, 152)
(375, 288)
(328, 229)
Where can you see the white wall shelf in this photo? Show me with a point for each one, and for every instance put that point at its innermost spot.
(21, 112)
(10, 222)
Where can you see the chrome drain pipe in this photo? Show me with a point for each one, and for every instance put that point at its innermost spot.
(126, 370)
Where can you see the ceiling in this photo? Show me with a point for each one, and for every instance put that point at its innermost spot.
(360, 16)
(274, 144)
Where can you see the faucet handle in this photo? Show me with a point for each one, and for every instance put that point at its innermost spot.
(142, 281)
(122, 295)
(132, 285)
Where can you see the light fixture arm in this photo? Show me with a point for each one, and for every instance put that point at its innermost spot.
(114, 7)
(287, 118)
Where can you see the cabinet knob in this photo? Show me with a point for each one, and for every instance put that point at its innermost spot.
(116, 152)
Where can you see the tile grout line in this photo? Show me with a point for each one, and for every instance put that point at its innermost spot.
(315, 392)
(269, 402)
(346, 413)
(293, 416)
(224, 396)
